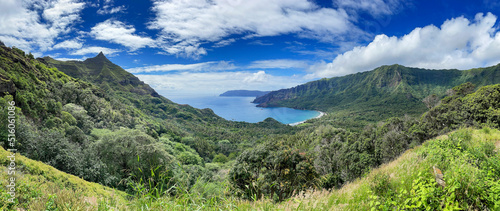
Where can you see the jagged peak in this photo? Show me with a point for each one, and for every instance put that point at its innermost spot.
(100, 58)
(101, 55)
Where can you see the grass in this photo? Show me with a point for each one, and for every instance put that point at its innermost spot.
(42, 187)
(468, 158)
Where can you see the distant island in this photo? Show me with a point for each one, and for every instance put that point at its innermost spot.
(244, 93)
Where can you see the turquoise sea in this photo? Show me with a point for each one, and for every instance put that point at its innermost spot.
(241, 109)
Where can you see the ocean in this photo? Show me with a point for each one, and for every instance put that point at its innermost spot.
(241, 109)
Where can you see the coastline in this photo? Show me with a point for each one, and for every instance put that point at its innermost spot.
(321, 114)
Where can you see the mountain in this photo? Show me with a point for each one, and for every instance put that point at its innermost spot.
(378, 94)
(165, 154)
(243, 93)
(101, 71)
(94, 120)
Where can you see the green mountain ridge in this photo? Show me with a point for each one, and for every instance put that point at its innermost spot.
(103, 72)
(375, 95)
(168, 156)
(97, 129)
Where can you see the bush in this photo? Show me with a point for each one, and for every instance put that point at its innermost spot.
(220, 158)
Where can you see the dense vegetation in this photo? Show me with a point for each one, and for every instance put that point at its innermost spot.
(116, 131)
(356, 100)
(341, 155)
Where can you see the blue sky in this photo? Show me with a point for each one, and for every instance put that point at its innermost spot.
(187, 48)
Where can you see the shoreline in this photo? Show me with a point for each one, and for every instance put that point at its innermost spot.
(321, 114)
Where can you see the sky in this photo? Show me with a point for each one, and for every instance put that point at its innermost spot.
(191, 48)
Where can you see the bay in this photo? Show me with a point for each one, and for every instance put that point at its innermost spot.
(241, 109)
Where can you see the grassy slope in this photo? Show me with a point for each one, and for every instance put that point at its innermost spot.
(468, 158)
(40, 186)
(409, 179)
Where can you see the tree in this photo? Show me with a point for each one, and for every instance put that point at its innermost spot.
(127, 152)
(431, 101)
(464, 89)
(220, 158)
(271, 169)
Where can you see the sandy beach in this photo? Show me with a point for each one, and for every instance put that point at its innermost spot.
(321, 114)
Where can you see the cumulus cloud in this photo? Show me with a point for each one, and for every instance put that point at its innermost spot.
(191, 84)
(95, 50)
(459, 43)
(117, 32)
(278, 64)
(205, 66)
(185, 25)
(68, 44)
(260, 77)
(36, 24)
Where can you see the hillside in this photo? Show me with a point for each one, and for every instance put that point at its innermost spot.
(243, 93)
(375, 95)
(99, 70)
(468, 159)
(42, 187)
(128, 89)
(170, 156)
(471, 173)
(110, 136)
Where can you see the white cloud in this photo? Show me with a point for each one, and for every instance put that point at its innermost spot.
(374, 7)
(68, 59)
(18, 43)
(68, 44)
(223, 43)
(205, 66)
(459, 43)
(185, 25)
(21, 21)
(107, 9)
(190, 84)
(95, 50)
(260, 42)
(260, 77)
(278, 64)
(117, 32)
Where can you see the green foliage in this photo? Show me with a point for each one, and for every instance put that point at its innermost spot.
(356, 100)
(40, 186)
(188, 158)
(119, 150)
(68, 118)
(272, 169)
(108, 127)
(95, 126)
(220, 158)
(471, 174)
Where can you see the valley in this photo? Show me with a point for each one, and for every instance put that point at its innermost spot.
(125, 134)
